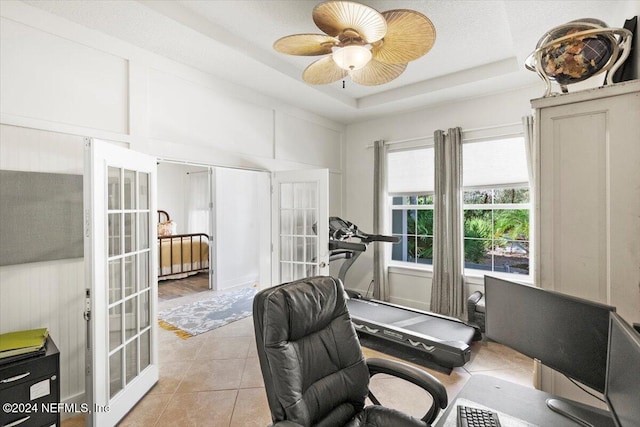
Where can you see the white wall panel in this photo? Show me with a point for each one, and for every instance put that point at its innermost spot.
(184, 111)
(32, 150)
(32, 296)
(410, 288)
(304, 141)
(50, 78)
(46, 294)
(335, 194)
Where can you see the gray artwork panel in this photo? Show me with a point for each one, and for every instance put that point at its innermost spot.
(40, 217)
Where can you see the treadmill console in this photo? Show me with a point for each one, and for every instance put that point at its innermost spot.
(339, 229)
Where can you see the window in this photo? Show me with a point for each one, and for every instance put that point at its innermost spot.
(412, 221)
(410, 182)
(496, 205)
(496, 229)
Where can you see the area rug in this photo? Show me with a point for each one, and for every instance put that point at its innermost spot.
(205, 315)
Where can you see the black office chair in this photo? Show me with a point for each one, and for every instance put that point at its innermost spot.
(313, 368)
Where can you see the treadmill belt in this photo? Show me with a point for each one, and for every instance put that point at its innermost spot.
(432, 326)
(446, 330)
(378, 313)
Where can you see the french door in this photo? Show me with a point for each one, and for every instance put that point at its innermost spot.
(300, 224)
(121, 272)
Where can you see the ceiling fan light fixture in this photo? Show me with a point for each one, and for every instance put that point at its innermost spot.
(351, 58)
(371, 47)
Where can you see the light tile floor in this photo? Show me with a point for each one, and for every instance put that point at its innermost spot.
(214, 379)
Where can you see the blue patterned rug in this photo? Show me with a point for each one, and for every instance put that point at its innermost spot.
(202, 316)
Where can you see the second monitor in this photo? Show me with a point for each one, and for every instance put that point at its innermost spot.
(565, 333)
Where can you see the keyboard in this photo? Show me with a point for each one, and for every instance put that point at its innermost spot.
(474, 417)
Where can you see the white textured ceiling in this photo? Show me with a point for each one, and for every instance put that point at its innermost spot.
(480, 45)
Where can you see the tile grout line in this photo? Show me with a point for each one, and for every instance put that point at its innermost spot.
(167, 404)
(235, 402)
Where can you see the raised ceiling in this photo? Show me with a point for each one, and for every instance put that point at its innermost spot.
(480, 45)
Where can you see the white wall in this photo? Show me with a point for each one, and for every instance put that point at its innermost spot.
(242, 233)
(240, 217)
(173, 192)
(65, 79)
(408, 286)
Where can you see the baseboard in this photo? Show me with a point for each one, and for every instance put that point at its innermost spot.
(410, 303)
(238, 282)
(76, 401)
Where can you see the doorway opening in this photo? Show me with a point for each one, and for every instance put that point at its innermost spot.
(232, 208)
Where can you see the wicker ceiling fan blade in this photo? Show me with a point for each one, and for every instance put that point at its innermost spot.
(305, 44)
(334, 17)
(410, 35)
(323, 71)
(377, 73)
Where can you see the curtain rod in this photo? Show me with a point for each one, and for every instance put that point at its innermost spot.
(419, 138)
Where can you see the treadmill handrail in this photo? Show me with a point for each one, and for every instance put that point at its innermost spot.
(351, 246)
(367, 238)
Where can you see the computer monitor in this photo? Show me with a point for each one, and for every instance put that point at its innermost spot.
(622, 390)
(565, 333)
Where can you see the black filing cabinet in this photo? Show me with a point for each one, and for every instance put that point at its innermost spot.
(30, 390)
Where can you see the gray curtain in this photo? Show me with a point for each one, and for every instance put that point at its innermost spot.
(447, 290)
(381, 287)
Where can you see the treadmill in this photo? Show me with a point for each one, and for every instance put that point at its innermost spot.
(444, 340)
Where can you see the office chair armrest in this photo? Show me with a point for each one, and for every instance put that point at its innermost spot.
(416, 376)
(285, 423)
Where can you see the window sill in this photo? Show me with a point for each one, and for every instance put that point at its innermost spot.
(472, 277)
(423, 270)
(476, 277)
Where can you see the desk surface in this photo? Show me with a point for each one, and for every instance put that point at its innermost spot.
(513, 399)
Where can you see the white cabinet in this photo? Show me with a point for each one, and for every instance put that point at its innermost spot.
(587, 236)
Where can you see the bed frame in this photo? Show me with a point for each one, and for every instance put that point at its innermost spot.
(177, 250)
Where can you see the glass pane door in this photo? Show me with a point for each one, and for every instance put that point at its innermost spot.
(298, 238)
(120, 253)
(128, 280)
(301, 240)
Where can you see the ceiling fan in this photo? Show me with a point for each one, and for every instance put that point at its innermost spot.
(371, 47)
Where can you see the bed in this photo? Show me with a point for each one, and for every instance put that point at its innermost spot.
(180, 255)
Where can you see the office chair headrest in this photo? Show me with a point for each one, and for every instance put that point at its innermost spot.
(309, 305)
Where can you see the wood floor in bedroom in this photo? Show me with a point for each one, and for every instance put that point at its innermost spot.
(170, 289)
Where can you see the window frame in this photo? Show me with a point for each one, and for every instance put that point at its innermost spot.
(496, 207)
(471, 273)
(408, 207)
